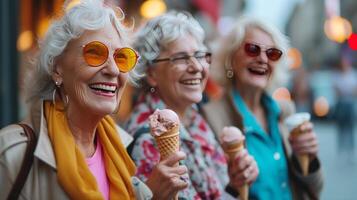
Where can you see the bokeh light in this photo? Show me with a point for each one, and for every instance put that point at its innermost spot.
(282, 93)
(321, 107)
(25, 41)
(352, 41)
(295, 58)
(337, 29)
(152, 8)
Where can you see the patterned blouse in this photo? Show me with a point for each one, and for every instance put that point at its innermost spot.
(205, 158)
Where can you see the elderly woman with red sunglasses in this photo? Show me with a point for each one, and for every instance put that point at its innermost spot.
(252, 58)
(83, 67)
(176, 64)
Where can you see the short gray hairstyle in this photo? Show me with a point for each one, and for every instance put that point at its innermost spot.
(230, 43)
(159, 32)
(86, 15)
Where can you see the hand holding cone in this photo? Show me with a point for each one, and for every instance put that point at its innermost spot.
(293, 123)
(232, 141)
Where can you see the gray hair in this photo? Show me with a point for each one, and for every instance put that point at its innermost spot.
(86, 15)
(231, 42)
(159, 32)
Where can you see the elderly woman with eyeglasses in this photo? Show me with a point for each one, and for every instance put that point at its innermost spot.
(252, 58)
(84, 64)
(176, 64)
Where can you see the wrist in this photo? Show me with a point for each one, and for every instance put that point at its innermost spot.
(232, 191)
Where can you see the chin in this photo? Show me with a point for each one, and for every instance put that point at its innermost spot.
(196, 98)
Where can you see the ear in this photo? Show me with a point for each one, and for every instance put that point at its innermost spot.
(151, 77)
(57, 74)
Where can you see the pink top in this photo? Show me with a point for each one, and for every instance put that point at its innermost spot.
(97, 167)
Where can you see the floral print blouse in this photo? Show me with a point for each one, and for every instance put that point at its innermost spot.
(205, 159)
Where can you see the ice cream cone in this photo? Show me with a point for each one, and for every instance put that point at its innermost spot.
(231, 150)
(168, 142)
(293, 122)
(304, 163)
(303, 159)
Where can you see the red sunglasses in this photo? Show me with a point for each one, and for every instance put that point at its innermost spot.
(254, 50)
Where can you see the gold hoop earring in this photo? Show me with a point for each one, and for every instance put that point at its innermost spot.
(54, 96)
(152, 90)
(229, 73)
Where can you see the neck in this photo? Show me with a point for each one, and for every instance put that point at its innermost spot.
(83, 128)
(250, 96)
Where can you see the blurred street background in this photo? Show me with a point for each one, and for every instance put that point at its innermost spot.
(322, 63)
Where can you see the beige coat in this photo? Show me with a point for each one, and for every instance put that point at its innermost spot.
(42, 181)
(223, 113)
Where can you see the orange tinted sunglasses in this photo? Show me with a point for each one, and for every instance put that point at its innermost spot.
(96, 53)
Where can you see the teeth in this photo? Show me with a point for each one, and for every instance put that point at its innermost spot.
(104, 87)
(259, 70)
(192, 81)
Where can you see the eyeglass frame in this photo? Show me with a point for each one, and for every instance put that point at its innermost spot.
(262, 48)
(108, 54)
(183, 55)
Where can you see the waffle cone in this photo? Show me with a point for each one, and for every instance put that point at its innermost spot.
(243, 192)
(303, 159)
(168, 142)
(304, 163)
(231, 150)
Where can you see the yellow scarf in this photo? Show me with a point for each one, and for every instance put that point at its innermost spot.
(72, 171)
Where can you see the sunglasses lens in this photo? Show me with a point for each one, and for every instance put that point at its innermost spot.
(274, 54)
(125, 58)
(95, 53)
(252, 50)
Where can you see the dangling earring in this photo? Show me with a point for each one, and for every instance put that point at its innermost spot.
(152, 90)
(229, 73)
(54, 93)
(65, 102)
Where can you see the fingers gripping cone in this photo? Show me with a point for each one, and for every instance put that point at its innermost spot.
(232, 141)
(164, 127)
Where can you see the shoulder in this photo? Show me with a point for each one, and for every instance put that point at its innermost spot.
(11, 137)
(13, 143)
(221, 113)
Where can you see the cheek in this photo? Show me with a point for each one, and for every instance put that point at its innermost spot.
(79, 93)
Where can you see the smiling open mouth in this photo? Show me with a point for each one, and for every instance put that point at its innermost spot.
(103, 88)
(258, 71)
(191, 82)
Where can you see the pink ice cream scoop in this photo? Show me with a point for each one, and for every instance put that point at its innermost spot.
(231, 135)
(161, 121)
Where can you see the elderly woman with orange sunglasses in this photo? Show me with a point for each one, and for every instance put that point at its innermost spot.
(251, 59)
(80, 77)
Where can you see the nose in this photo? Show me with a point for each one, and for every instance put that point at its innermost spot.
(110, 67)
(194, 65)
(263, 57)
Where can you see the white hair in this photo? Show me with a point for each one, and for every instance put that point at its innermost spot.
(86, 15)
(223, 56)
(159, 32)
